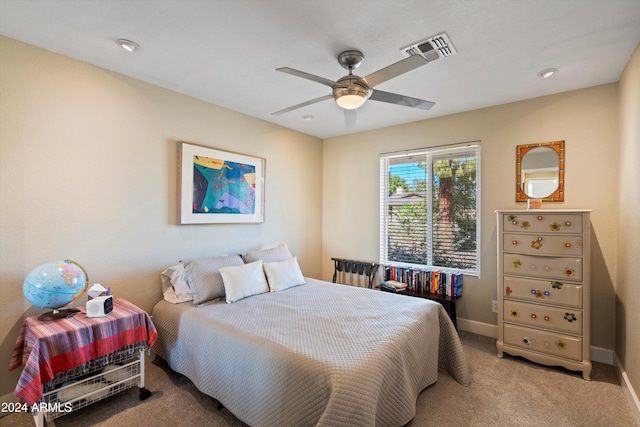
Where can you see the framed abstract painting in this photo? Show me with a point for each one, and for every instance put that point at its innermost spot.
(217, 186)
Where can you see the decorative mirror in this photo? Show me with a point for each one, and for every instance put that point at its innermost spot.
(540, 172)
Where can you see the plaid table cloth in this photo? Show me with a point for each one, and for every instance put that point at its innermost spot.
(48, 347)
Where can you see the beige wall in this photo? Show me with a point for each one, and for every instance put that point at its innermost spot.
(628, 288)
(586, 119)
(88, 163)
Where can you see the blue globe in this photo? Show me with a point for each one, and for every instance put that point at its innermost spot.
(55, 284)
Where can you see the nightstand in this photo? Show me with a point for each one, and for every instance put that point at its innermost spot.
(73, 362)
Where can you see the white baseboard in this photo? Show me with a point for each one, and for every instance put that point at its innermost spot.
(627, 390)
(598, 354)
(484, 329)
(602, 355)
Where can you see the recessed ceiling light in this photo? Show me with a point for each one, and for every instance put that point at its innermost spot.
(127, 45)
(547, 73)
(307, 118)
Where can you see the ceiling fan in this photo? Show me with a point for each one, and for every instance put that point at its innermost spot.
(351, 91)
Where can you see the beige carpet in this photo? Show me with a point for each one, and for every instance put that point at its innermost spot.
(503, 392)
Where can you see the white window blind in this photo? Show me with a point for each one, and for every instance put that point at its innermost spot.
(429, 208)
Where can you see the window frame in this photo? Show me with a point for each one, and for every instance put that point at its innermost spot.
(429, 153)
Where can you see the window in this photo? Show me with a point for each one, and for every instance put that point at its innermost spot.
(430, 208)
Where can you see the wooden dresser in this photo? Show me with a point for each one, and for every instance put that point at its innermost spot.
(544, 287)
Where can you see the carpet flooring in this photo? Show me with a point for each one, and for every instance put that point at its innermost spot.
(504, 392)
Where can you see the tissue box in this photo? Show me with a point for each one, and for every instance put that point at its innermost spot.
(97, 290)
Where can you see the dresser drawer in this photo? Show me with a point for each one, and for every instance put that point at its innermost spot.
(553, 268)
(544, 291)
(543, 223)
(566, 320)
(545, 342)
(541, 244)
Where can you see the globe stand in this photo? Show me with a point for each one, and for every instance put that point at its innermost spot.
(59, 314)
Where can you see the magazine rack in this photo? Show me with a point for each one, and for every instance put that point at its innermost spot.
(363, 270)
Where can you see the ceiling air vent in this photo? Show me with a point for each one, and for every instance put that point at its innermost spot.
(433, 48)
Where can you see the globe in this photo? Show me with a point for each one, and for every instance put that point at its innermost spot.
(55, 284)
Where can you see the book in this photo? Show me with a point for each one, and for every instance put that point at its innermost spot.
(422, 279)
(393, 286)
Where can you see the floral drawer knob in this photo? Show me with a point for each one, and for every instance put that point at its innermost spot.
(514, 313)
(517, 264)
(508, 291)
(536, 244)
(525, 225)
(569, 272)
(554, 226)
(538, 293)
(561, 345)
(570, 317)
(556, 285)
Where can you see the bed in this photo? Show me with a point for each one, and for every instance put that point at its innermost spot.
(295, 351)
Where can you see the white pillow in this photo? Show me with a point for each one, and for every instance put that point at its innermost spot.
(175, 288)
(284, 274)
(243, 281)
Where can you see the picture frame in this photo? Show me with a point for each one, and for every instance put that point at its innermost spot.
(218, 186)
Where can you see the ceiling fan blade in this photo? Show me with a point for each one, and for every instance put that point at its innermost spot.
(395, 70)
(307, 76)
(303, 104)
(350, 118)
(407, 101)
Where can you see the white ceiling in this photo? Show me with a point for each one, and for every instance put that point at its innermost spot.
(226, 51)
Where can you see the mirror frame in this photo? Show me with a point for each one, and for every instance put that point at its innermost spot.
(521, 150)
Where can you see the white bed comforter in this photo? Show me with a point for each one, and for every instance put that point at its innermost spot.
(317, 354)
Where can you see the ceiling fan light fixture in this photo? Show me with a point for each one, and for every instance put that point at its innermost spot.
(350, 92)
(350, 101)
